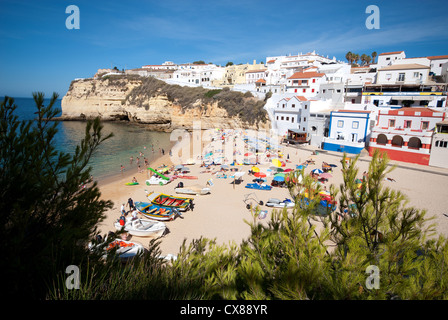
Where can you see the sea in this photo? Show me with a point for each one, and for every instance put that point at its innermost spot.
(128, 140)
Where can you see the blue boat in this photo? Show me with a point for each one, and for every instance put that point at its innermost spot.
(156, 212)
(258, 186)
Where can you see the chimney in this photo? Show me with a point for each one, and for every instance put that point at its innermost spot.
(255, 62)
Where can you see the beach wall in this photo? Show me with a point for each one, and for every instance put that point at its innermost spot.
(110, 100)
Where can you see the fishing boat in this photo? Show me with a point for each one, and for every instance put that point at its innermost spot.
(124, 249)
(180, 203)
(277, 203)
(196, 189)
(156, 212)
(142, 227)
(131, 183)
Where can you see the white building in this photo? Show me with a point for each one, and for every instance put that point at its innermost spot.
(436, 64)
(349, 131)
(388, 58)
(253, 76)
(197, 74)
(305, 83)
(403, 74)
(439, 146)
(292, 113)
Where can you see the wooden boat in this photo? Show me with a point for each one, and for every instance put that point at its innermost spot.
(156, 212)
(142, 227)
(131, 183)
(124, 249)
(164, 200)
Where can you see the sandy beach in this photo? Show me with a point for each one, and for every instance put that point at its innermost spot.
(221, 214)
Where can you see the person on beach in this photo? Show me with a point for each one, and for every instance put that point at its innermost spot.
(122, 168)
(134, 180)
(131, 159)
(134, 215)
(131, 204)
(123, 209)
(122, 220)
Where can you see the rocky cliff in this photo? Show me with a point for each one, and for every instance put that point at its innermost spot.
(160, 106)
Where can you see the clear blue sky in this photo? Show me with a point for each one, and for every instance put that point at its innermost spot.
(38, 52)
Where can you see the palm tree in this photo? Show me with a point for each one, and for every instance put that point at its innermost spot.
(363, 58)
(374, 54)
(368, 59)
(349, 57)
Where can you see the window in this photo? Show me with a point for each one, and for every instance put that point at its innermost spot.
(415, 74)
(304, 90)
(287, 118)
(277, 117)
(293, 105)
(425, 125)
(304, 119)
(314, 80)
(407, 123)
(306, 107)
(340, 123)
(391, 123)
(401, 76)
(387, 58)
(355, 124)
(292, 119)
(312, 90)
(283, 118)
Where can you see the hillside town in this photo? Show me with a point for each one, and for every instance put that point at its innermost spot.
(388, 101)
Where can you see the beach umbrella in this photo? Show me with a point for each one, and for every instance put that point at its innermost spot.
(299, 167)
(279, 178)
(288, 170)
(358, 181)
(325, 175)
(255, 169)
(179, 166)
(333, 165)
(224, 166)
(248, 154)
(259, 174)
(281, 174)
(276, 162)
(318, 171)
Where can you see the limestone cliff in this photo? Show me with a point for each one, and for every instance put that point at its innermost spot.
(125, 98)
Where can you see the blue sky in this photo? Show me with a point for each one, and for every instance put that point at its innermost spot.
(38, 52)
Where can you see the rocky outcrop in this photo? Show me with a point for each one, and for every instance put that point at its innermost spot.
(110, 100)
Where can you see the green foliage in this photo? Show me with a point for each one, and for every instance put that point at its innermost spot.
(46, 217)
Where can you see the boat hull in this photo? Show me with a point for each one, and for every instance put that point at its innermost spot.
(156, 212)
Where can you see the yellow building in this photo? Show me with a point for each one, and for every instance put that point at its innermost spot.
(236, 74)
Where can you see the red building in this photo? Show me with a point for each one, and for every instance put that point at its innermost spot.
(405, 134)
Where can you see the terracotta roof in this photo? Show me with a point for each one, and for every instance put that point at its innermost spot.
(387, 53)
(260, 81)
(306, 75)
(437, 57)
(301, 98)
(404, 67)
(271, 61)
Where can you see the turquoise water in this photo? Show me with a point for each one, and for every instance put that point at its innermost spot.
(128, 140)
